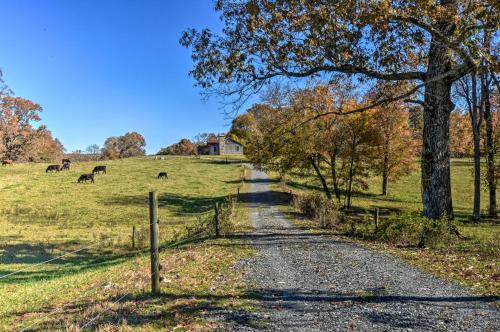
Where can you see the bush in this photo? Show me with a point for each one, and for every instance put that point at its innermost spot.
(319, 208)
(414, 230)
(409, 229)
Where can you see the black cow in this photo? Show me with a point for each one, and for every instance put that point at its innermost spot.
(99, 169)
(65, 166)
(66, 161)
(85, 178)
(163, 175)
(53, 168)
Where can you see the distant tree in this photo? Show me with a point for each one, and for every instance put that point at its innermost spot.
(93, 149)
(44, 147)
(111, 148)
(131, 144)
(183, 148)
(397, 149)
(467, 88)
(241, 126)
(360, 140)
(201, 139)
(460, 134)
(17, 133)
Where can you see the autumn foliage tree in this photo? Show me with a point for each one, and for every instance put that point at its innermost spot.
(16, 118)
(20, 140)
(341, 150)
(44, 147)
(431, 44)
(397, 150)
(132, 144)
(183, 148)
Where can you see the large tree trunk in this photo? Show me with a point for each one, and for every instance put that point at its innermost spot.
(489, 142)
(436, 182)
(315, 165)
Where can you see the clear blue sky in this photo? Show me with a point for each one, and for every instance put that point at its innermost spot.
(101, 68)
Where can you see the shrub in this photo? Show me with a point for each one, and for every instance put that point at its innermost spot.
(409, 229)
(414, 230)
(318, 208)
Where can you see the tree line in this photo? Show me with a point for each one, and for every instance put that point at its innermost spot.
(290, 132)
(21, 140)
(427, 46)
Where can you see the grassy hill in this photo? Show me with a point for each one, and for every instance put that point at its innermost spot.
(45, 215)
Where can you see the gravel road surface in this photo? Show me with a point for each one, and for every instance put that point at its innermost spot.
(314, 282)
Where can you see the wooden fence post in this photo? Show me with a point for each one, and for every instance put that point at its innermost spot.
(217, 219)
(133, 237)
(155, 243)
(376, 218)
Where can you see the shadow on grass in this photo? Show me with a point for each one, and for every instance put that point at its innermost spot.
(76, 263)
(184, 204)
(177, 203)
(73, 264)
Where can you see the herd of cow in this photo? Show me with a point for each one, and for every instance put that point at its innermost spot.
(66, 165)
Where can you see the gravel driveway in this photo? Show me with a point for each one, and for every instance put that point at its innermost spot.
(314, 282)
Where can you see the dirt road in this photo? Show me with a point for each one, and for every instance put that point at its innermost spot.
(304, 281)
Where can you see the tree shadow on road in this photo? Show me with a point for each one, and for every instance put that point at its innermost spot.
(168, 310)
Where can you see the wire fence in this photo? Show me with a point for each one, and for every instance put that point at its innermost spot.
(209, 224)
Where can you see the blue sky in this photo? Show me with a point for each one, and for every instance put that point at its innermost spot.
(101, 68)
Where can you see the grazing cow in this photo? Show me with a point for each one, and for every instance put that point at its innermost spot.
(66, 161)
(85, 178)
(65, 166)
(99, 169)
(53, 168)
(163, 175)
(7, 162)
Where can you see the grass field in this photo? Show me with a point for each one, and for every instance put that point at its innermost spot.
(43, 216)
(473, 260)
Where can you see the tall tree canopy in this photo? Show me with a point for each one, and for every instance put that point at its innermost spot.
(20, 140)
(431, 43)
(182, 148)
(131, 144)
